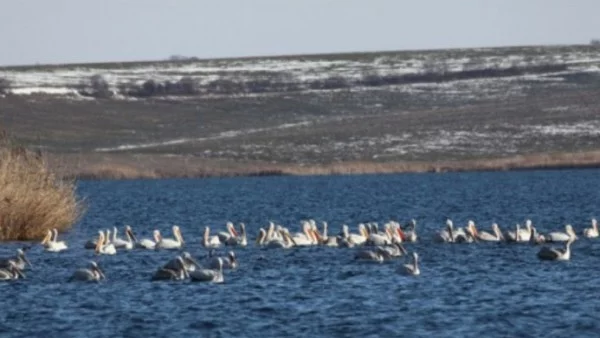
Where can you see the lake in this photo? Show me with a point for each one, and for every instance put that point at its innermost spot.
(466, 290)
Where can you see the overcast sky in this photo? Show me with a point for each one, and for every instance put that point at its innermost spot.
(57, 31)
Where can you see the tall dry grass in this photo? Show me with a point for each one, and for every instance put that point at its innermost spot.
(32, 197)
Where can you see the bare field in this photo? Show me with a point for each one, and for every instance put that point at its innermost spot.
(541, 120)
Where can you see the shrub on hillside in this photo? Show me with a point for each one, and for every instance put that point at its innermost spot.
(4, 85)
(33, 199)
(96, 86)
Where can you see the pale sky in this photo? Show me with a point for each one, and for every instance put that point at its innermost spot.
(59, 31)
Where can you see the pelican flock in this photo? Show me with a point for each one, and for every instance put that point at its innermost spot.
(372, 242)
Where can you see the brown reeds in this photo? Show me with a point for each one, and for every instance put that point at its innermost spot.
(32, 197)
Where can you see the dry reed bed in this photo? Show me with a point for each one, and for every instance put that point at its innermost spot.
(32, 198)
(127, 166)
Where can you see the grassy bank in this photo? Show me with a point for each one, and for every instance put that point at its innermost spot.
(32, 197)
(147, 166)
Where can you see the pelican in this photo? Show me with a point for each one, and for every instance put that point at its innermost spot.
(170, 243)
(284, 241)
(520, 235)
(412, 269)
(393, 250)
(102, 247)
(379, 239)
(120, 243)
(593, 231)
(50, 244)
(210, 241)
(239, 239)
(92, 274)
(19, 260)
(369, 255)
(495, 236)
(189, 263)
(445, 235)
(410, 235)
(231, 233)
(536, 238)
(146, 243)
(11, 272)
(209, 275)
(304, 238)
(556, 254)
(229, 262)
(557, 236)
(179, 273)
(355, 239)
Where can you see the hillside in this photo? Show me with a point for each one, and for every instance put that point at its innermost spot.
(365, 112)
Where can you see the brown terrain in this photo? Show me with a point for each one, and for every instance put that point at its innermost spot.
(508, 123)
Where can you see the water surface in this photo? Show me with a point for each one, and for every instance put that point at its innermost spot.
(485, 289)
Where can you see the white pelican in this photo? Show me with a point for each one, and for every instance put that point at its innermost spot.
(50, 244)
(557, 236)
(120, 243)
(19, 260)
(379, 239)
(556, 254)
(11, 272)
(171, 243)
(392, 250)
(494, 236)
(355, 239)
(412, 269)
(229, 262)
(189, 263)
(231, 233)
(445, 235)
(92, 274)
(209, 275)
(283, 241)
(179, 273)
(536, 238)
(304, 238)
(209, 241)
(411, 234)
(520, 235)
(238, 239)
(593, 231)
(102, 248)
(146, 243)
(369, 255)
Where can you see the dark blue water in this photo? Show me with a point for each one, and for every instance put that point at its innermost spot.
(484, 289)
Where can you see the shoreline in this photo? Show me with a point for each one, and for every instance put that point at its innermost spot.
(145, 166)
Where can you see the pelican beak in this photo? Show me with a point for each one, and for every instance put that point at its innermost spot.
(27, 261)
(233, 231)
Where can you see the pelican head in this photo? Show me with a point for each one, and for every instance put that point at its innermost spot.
(413, 224)
(528, 224)
(415, 256)
(232, 259)
(449, 223)
(94, 267)
(594, 222)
